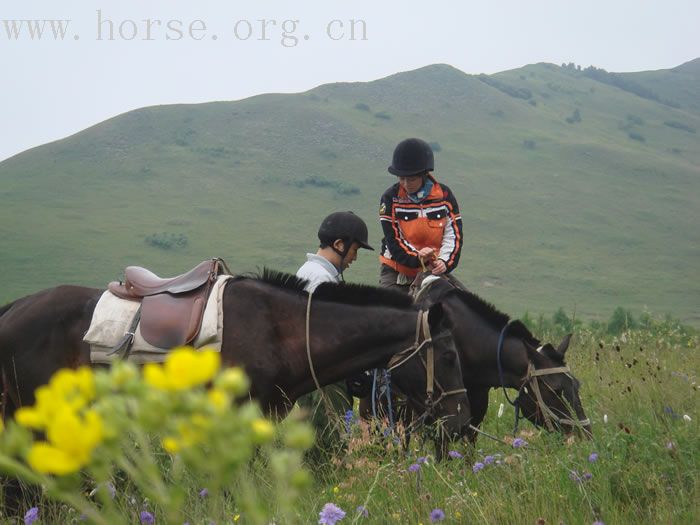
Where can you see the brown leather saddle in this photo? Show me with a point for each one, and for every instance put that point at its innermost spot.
(171, 309)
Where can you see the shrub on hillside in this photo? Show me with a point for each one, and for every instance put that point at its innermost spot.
(636, 136)
(512, 91)
(574, 118)
(620, 321)
(362, 106)
(529, 144)
(341, 188)
(634, 119)
(621, 82)
(679, 125)
(383, 115)
(167, 241)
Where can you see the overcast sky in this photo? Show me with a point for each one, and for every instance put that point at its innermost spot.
(115, 57)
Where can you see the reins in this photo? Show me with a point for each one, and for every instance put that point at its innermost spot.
(326, 402)
(429, 363)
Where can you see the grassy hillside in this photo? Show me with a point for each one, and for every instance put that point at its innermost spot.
(574, 192)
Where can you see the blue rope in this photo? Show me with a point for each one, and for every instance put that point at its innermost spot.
(374, 393)
(515, 403)
(387, 392)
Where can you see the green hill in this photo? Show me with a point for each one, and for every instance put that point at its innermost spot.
(578, 188)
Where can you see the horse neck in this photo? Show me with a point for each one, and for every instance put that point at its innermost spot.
(477, 341)
(346, 340)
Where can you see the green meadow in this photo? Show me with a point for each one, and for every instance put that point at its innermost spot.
(642, 465)
(578, 189)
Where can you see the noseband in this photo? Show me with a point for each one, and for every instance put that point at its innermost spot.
(531, 379)
(402, 357)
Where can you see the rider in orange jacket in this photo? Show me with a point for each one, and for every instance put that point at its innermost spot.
(420, 219)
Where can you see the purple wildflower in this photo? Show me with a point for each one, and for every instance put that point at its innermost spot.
(147, 518)
(348, 418)
(519, 443)
(330, 514)
(362, 511)
(414, 468)
(204, 492)
(454, 454)
(437, 515)
(477, 467)
(587, 476)
(488, 460)
(31, 516)
(670, 445)
(422, 460)
(593, 457)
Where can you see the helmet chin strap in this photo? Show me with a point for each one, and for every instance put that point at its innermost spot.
(347, 244)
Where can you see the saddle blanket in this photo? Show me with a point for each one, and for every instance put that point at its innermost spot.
(113, 316)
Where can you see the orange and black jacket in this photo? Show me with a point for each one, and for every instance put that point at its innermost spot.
(434, 222)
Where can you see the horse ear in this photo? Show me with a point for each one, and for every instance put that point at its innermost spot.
(534, 356)
(564, 345)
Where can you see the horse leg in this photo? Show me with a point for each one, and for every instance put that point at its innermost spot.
(479, 401)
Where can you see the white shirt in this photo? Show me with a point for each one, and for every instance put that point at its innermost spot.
(317, 270)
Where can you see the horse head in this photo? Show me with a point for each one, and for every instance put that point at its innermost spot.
(431, 366)
(549, 395)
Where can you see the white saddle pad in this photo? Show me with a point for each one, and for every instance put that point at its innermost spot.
(113, 316)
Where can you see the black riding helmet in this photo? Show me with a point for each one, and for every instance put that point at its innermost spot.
(412, 157)
(344, 225)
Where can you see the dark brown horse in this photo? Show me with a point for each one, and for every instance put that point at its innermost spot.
(352, 328)
(548, 394)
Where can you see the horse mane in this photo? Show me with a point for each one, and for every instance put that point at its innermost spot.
(362, 295)
(494, 317)
(352, 294)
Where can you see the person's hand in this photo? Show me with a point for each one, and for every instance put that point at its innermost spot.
(426, 254)
(438, 267)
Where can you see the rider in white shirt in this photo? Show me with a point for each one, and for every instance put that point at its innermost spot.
(341, 234)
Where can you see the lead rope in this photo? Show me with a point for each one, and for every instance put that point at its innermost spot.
(326, 402)
(515, 403)
(430, 364)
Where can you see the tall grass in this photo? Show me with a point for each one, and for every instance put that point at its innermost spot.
(642, 465)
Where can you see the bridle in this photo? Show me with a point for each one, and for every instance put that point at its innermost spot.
(402, 357)
(531, 379)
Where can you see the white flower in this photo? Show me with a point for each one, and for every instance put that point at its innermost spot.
(687, 417)
(605, 418)
(500, 410)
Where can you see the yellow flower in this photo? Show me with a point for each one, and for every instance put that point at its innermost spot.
(233, 380)
(219, 399)
(336, 489)
(30, 417)
(48, 459)
(184, 368)
(171, 445)
(458, 514)
(236, 517)
(74, 435)
(262, 430)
